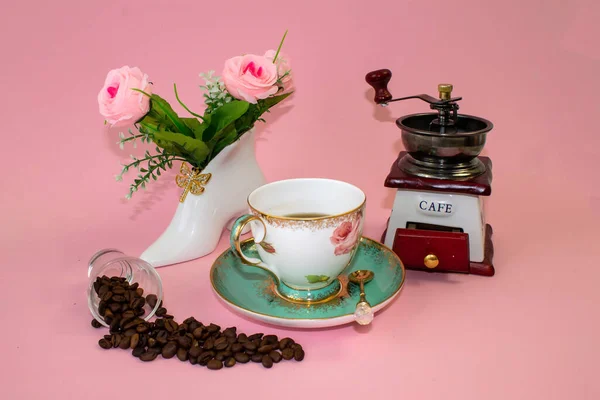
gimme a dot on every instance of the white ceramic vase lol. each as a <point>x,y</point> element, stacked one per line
<point>199,221</point>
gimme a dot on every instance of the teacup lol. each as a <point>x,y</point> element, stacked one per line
<point>306,232</point>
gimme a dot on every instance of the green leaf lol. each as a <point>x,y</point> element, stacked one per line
<point>162,111</point>
<point>191,149</point>
<point>316,278</point>
<point>196,126</point>
<point>272,101</point>
<point>223,116</point>
<point>223,139</point>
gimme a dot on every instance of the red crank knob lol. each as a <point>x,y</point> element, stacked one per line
<point>379,80</point>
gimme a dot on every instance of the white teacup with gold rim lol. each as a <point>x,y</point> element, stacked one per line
<point>306,232</point>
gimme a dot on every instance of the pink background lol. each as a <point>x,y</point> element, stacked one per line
<point>531,67</point>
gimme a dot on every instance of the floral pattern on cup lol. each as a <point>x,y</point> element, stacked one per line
<point>268,247</point>
<point>346,235</point>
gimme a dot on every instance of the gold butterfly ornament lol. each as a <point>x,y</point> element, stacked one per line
<point>192,180</point>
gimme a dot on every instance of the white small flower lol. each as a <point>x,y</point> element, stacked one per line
<point>132,157</point>
<point>134,144</point>
<point>121,135</point>
<point>128,196</point>
<point>118,178</point>
<point>121,145</point>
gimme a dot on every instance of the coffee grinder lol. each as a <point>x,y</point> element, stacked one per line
<point>437,222</point>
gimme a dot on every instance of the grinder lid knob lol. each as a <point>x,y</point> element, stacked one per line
<point>445,91</point>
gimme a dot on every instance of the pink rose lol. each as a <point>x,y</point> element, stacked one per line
<point>118,103</point>
<point>346,236</point>
<point>284,69</point>
<point>250,77</point>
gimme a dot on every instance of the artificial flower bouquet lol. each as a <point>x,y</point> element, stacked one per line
<point>247,88</point>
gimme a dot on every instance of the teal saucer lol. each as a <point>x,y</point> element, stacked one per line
<point>252,291</point>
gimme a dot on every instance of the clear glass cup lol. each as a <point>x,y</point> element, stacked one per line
<point>113,262</point>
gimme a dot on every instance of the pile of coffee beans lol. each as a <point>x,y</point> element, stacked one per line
<point>122,305</point>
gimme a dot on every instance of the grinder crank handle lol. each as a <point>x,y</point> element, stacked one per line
<point>379,80</point>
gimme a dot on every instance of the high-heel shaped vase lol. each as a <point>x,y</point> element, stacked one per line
<point>211,200</point>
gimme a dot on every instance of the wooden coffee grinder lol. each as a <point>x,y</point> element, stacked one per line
<point>437,222</point>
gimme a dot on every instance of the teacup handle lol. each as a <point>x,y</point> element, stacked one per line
<point>236,246</point>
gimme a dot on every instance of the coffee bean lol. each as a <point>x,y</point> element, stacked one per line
<point>115,307</point>
<point>209,344</point>
<point>135,339</point>
<point>118,290</point>
<point>257,357</point>
<point>161,312</point>
<point>242,338</point>
<point>189,320</point>
<point>139,292</point>
<point>287,353</point>
<point>119,298</point>
<point>103,289</point>
<point>96,324</point>
<point>128,298</point>
<point>105,344</point>
<point>255,336</point>
<point>265,349</point>
<point>195,351</point>
<point>151,299</point>
<point>249,346</point>
<point>215,364</point>
<point>106,296</point>
<point>220,356</point>
<point>182,354</point>
<point>275,356</point>
<point>192,326</point>
<point>221,343</point>
<point>134,286</point>
<point>267,362</point>
<point>270,339</point>
<point>152,342</point>
<point>194,361</point>
<point>96,286</point>
<point>141,328</point>
<point>102,308</point>
<point>116,340</point>
<point>125,342</point>
<point>236,347</point>
<point>206,356</point>
<point>124,307</point>
<point>171,325</point>
<point>115,323</point>
<point>184,341</point>
<point>108,337</point>
<point>285,342</point>
<point>149,356</point>
<point>198,333</point>
<point>135,322</point>
<point>296,346</point>
<point>241,357</point>
<point>230,362</point>
<point>140,312</point>
<point>229,332</point>
<point>212,328</point>
<point>130,332</point>
<point>162,337</point>
<point>169,350</point>
<point>298,354</point>
<point>168,316</point>
<point>138,351</point>
<point>231,340</point>
<point>159,324</point>
<point>127,315</point>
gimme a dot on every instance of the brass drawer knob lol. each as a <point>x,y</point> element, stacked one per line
<point>431,261</point>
